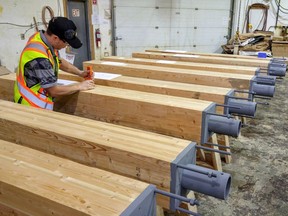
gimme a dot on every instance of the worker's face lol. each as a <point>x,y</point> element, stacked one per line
<point>59,43</point>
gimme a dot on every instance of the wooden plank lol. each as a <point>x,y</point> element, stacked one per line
<point>207,78</point>
<point>7,86</point>
<point>267,60</point>
<point>216,156</point>
<point>201,59</point>
<point>37,183</point>
<point>4,70</point>
<point>185,65</point>
<point>224,140</point>
<point>169,115</point>
<point>134,153</point>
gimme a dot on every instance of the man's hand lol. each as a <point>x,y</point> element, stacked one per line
<point>87,74</point>
<point>86,85</point>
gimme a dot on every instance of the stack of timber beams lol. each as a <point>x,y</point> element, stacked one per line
<point>185,65</point>
<point>274,66</point>
<point>130,70</point>
<point>208,78</point>
<point>138,154</point>
<point>174,116</point>
<point>208,54</point>
<point>263,64</point>
<point>267,59</point>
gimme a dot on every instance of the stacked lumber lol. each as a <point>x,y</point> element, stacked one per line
<point>274,66</point>
<point>209,54</point>
<point>209,93</point>
<point>208,78</point>
<point>133,153</point>
<point>203,59</point>
<point>37,183</point>
<point>180,117</point>
<point>186,65</point>
<point>170,115</point>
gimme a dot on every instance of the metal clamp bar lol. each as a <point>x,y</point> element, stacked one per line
<point>178,197</point>
<point>264,98</point>
<point>215,114</point>
<point>243,91</point>
<point>209,174</point>
<point>263,103</point>
<point>264,72</point>
<point>266,77</point>
<point>246,116</point>
<point>240,98</point>
<point>223,105</point>
<point>214,150</point>
<point>222,146</point>
<point>187,211</point>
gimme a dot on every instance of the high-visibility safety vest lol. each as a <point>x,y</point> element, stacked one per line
<point>35,96</point>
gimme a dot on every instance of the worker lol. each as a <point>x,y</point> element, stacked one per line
<point>36,79</point>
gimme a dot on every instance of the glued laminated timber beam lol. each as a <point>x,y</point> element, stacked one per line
<point>36,183</point>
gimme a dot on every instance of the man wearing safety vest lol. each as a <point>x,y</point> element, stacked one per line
<point>36,78</point>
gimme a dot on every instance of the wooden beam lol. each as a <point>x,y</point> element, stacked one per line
<point>37,183</point>
<point>201,59</point>
<point>267,60</point>
<point>4,70</point>
<point>237,81</point>
<point>7,86</point>
<point>185,65</point>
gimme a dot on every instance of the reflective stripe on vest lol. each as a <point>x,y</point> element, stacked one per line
<point>34,99</point>
<point>39,99</point>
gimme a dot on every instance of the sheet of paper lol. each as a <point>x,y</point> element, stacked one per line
<point>65,82</point>
<point>114,63</point>
<point>166,62</point>
<point>178,51</point>
<point>188,56</point>
<point>105,76</point>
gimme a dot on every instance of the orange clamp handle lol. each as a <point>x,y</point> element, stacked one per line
<point>90,75</point>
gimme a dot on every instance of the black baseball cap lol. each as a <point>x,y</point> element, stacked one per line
<point>65,29</point>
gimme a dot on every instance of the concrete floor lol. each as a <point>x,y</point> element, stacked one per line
<point>259,165</point>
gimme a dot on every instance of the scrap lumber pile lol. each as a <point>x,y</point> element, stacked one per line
<point>164,161</point>
<point>257,41</point>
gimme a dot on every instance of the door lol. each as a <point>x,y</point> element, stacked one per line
<point>191,25</point>
<point>77,12</point>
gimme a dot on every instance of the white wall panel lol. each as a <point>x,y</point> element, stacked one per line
<point>143,36</point>
<point>182,24</point>
<point>142,17</point>
<point>207,4</point>
<point>144,3</point>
